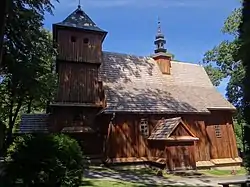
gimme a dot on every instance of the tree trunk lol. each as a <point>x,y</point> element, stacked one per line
<point>29,106</point>
<point>12,121</point>
<point>3,11</point>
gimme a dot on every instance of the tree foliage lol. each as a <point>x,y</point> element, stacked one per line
<point>244,56</point>
<point>222,61</point>
<point>225,57</point>
<point>214,74</point>
<point>44,160</point>
<point>26,72</point>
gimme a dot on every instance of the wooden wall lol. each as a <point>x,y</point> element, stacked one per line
<point>181,131</point>
<point>79,50</point>
<point>125,139</point>
<point>164,63</point>
<point>209,146</point>
<point>79,83</point>
<point>91,142</point>
<point>72,116</point>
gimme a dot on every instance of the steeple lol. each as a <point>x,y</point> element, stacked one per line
<point>79,52</point>
<point>80,20</point>
<point>162,58</point>
<point>160,39</point>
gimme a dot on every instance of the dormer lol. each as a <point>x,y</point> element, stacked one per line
<point>78,38</point>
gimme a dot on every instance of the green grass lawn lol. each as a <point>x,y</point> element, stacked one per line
<point>146,172</point>
<point>215,172</point>
<point>116,183</point>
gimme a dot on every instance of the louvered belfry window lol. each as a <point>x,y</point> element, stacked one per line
<point>144,127</point>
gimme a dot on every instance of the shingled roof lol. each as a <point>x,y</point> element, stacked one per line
<point>34,123</point>
<point>136,84</point>
<point>166,127</point>
<point>79,19</point>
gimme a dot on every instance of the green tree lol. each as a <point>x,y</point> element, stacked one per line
<point>244,56</point>
<point>6,5</point>
<point>223,62</point>
<point>26,71</point>
<point>2,25</point>
<point>44,160</point>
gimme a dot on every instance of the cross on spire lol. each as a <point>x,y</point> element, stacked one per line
<point>79,3</point>
<point>159,26</point>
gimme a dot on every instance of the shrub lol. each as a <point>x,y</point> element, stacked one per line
<point>44,160</point>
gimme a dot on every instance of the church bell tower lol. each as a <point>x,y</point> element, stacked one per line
<point>79,45</point>
<point>80,94</point>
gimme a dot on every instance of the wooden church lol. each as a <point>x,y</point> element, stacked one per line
<point>135,109</point>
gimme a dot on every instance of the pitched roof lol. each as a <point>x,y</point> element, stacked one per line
<point>34,123</point>
<point>79,19</point>
<point>165,128</point>
<point>136,84</point>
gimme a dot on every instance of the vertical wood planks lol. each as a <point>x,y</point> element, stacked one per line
<point>79,51</point>
<point>77,83</point>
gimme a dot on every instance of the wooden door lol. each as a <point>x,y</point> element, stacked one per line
<point>180,157</point>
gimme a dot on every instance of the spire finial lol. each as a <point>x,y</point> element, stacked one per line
<point>79,4</point>
<point>159,39</point>
<point>159,26</point>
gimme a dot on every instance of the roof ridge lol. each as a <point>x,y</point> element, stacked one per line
<point>120,53</point>
<point>187,63</point>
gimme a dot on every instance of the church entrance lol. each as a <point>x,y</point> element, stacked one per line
<point>180,156</point>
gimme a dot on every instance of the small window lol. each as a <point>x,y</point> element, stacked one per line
<point>217,131</point>
<point>86,40</point>
<point>73,39</point>
<point>144,127</point>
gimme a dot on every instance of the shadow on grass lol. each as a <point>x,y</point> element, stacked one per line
<point>134,178</point>
<point>117,183</point>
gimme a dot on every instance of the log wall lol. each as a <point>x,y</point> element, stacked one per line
<point>126,141</point>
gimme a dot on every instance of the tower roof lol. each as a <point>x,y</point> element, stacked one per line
<point>159,32</point>
<point>160,40</point>
<point>79,19</point>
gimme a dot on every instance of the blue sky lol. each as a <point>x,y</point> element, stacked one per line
<point>191,27</point>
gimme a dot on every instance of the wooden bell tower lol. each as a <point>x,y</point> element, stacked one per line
<point>80,93</point>
<point>79,44</point>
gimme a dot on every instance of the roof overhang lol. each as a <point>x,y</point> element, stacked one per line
<point>108,111</point>
<point>161,54</point>
<point>68,104</point>
<point>57,26</point>
<point>77,129</point>
<point>232,109</point>
<point>178,138</point>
